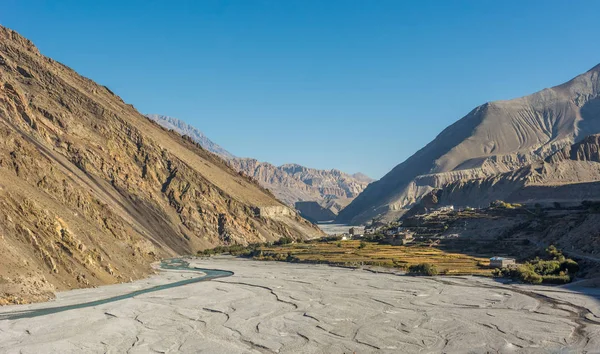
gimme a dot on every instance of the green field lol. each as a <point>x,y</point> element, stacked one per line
<point>357,253</point>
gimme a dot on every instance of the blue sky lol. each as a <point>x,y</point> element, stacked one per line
<point>353,85</point>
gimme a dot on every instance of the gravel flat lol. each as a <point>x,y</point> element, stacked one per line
<point>268,307</point>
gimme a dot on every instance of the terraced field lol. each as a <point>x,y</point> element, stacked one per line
<point>357,253</point>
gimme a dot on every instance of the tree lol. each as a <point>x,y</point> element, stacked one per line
<point>423,269</point>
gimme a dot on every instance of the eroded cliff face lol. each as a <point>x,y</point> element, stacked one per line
<point>92,192</point>
<point>586,150</point>
<point>570,175</point>
<point>495,138</point>
<point>292,183</point>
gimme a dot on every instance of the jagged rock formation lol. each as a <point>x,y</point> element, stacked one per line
<point>290,183</point>
<point>569,176</point>
<point>495,138</point>
<point>92,192</point>
<point>586,150</point>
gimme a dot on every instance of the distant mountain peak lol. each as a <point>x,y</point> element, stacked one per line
<point>289,182</point>
<point>185,129</point>
<point>362,177</point>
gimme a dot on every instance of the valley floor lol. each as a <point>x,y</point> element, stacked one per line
<point>270,307</point>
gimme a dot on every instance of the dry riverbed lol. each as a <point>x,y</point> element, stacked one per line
<point>301,308</point>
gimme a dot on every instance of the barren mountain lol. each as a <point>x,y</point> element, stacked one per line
<point>92,192</point>
<point>494,138</point>
<point>569,176</point>
<point>290,183</point>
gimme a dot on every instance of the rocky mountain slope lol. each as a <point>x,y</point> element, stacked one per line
<point>92,192</point>
<point>569,176</point>
<point>290,183</point>
<point>494,138</point>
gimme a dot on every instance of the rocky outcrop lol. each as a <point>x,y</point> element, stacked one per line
<point>92,192</point>
<point>570,175</point>
<point>586,150</point>
<point>290,183</point>
<point>495,138</point>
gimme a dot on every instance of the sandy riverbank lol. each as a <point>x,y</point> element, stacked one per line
<point>300,308</point>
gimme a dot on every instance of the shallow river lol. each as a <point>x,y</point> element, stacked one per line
<point>168,264</point>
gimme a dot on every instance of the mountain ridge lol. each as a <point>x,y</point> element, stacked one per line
<point>493,138</point>
<point>289,182</point>
<point>194,133</point>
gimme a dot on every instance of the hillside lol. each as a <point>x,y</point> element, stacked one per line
<point>494,138</point>
<point>569,176</point>
<point>290,183</point>
<point>92,192</point>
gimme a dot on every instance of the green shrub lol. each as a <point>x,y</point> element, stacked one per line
<point>546,267</point>
<point>526,274</point>
<point>283,241</point>
<point>556,279</point>
<point>504,205</point>
<point>555,253</point>
<point>556,270</point>
<point>570,266</point>
<point>330,238</point>
<point>423,269</point>
<point>291,258</point>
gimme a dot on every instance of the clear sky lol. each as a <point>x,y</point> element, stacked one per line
<point>354,85</point>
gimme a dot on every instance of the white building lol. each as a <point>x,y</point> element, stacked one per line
<point>501,262</point>
<point>446,208</point>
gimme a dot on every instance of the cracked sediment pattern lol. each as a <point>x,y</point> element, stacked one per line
<point>270,307</point>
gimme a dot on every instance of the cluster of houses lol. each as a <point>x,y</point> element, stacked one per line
<point>394,235</point>
<point>446,208</point>
<point>353,234</point>
<point>398,235</point>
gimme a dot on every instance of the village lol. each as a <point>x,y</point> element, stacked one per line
<point>430,229</point>
<point>496,241</point>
